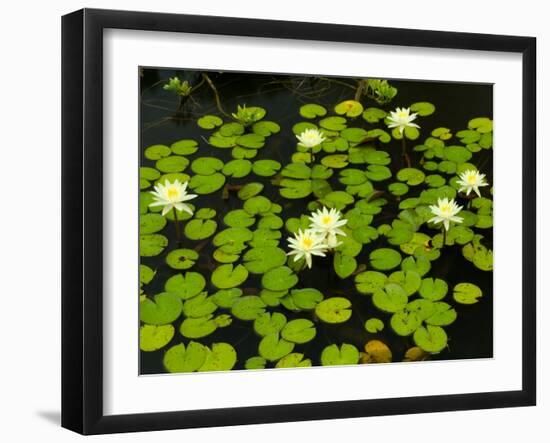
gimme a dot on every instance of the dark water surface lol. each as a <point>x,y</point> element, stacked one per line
<point>470,336</point>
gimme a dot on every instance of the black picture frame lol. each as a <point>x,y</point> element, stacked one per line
<point>82,215</point>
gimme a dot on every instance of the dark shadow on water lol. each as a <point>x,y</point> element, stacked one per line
<point>54,417</point>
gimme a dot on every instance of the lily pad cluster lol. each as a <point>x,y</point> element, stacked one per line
<point>228,267</point>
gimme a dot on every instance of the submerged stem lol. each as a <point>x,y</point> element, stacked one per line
<point>177,224</point>
<point>404,152</point>
<point>216,95</point>
<point>444,236</point>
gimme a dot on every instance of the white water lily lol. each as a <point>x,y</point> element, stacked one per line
<point>310,138</point>
<point>172,195</point>
<point>445,212</point>
<point>472,180</point>
<point>402,118</point>
<point>306,244</point>
<point>327,223</point>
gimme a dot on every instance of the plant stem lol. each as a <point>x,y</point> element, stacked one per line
<point>359,91</point>
<point>444,236</point>
<point>216,95</point>
<point>177,224</point>
<point>404,152</point>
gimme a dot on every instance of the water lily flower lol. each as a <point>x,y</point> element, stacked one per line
<point>471,180</point>
<point>402,118</point>
<point>172,195</point>
<point>327,223</point>
<point>305,244</point>
<point>310,138</point>
<point>445,212</point>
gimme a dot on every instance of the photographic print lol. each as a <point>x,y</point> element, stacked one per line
<point>289,221</point>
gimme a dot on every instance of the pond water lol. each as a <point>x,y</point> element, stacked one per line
<point>165,119</point>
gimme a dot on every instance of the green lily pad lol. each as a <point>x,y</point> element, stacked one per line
<point>221,357</point>
<point>279,279</point>
<point>353,135</point>
<point>273,348</point>
<point>148,173</point>
<point>411,176</point>
<point>250,190</point>
<point>163,310</point>
<point>398,189</point>
<point>333,123</point>
<point>392,298</point>
<point>404,323</point>
<point>219,141</point>
<point>410,281</point>
<point>181,359</point>
<point>151,245</point>
<point>198,327</point>
<point>269,323</point>
<point>206,165</point>
<point>151,223</point>
<point>182,258</point>
<point>237,168</point>
<point>374,115</point>
<point>378,173</point>
<point>349,108</point>
<point>231,129</point>
<point>226,276</point>
<point>184,147</point>
<point>185,286</point>
<point>430,338</point>
<point>483,259</point>
<point>262,259</point>
<point>467,293</point>
<point>334,310</point>
<point>173,163</point>
<point>335,161</point>
<point>209,121</point>
<point>376,352</point>
<point>255,363</point>
<point>333,355</point>
<point>156,152</point>
<point>198,229</point>
<point>293,360</point>
<point>233,236</point>
<point>435,180</point>
<point>481,124</point>
<point>369,282</point>
<point>300,127</point>
<point>239,218</point>
<point>398,236</point>
<point>443,315</point>
<point>299,331</point>
<point>312,110</point>
<point>199,306</point>
<point>225,298</point>
<point>146,274</point>
<point>338,199</point>
<point>374,157</point>
<point>248,307</point>
<point>251,141</point>
<point>374,325</point>
<point>207,184</point>
<point>266,168</point>
<point>296,170</point>
<point>152,338</point>
<point>423,109</point>
<point>344,265</point>
<point>265,128</point>
<point>433,289</point>
<point>257,205</point>
<point>384,259</point>
<point>457,154</point>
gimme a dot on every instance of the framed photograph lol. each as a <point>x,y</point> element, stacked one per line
<point>270,221</point>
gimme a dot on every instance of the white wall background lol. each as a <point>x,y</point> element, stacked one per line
<point>30,218</point>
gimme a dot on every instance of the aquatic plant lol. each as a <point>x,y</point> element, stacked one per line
<point>364,266</point>
<point>183,89</point>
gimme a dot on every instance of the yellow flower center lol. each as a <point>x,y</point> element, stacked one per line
<point>472,179</point>
<point>402,114</point>
<point>445,210</point>
<point>307,242</point>
<point>326,219</point>
<point>172,192</point>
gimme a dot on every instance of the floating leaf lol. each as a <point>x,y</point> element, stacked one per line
<point>262,259</point>
<point>206,184</point>
<point>431,339</point>
<point>443,315</point>
<point>467,293</point>
<point>269,323</point>
<point>457,154</point>
<point>163,310</point>
<point>391,299</point>
<point>156,152</point>
<point>410,281</point>
<point>306,298</point>
<point>312,110</point>
<point>404,323</point>
<point>279,279</point>
<point>335,161</point>
<point>344,265</point>
<point>226,276</point>
<point>239,218</point>
<point>185,286</point>
<point>200,229</point>
<point>293,360</point>
<point>374,115</point>
<point>255,363</point>
<point>334,310</point>
<point>257,205</point>
<point>481,124</point>
<point>184,147</point>
<point>433,289</point>
<point>199,306</point>
<point>349,108</point>
<point>345,355</point>
<point>206,165</point>
<point>153,338</point>
<point>151,223</point>
<point>299,331</point>
<point>412,176</point>
<point>222,357</point>
<point>384,259</point>
<point>219,141</point>
<point>250,190</point>
<point>225,298</point>
<point>173,163</point>
<point>423,108</point>
<point>237,168</point>
<point>146,274</point>
<point>374,325</point>
<point>273,348</point>
<point>251,141</point>
<point>209,121</point>
<point>248,307</point>
<point>265,168</point>
<point>333,123</point>
<point>293,189</point>
<point>231,129</point>
<point>265,128</point>
<point>180,359</point>
<point>198,327</point>
<point>182,258</point>
<point>369,282</point>
<point>377,352</point>
<point>378,173</point>
<point>152,244</point>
